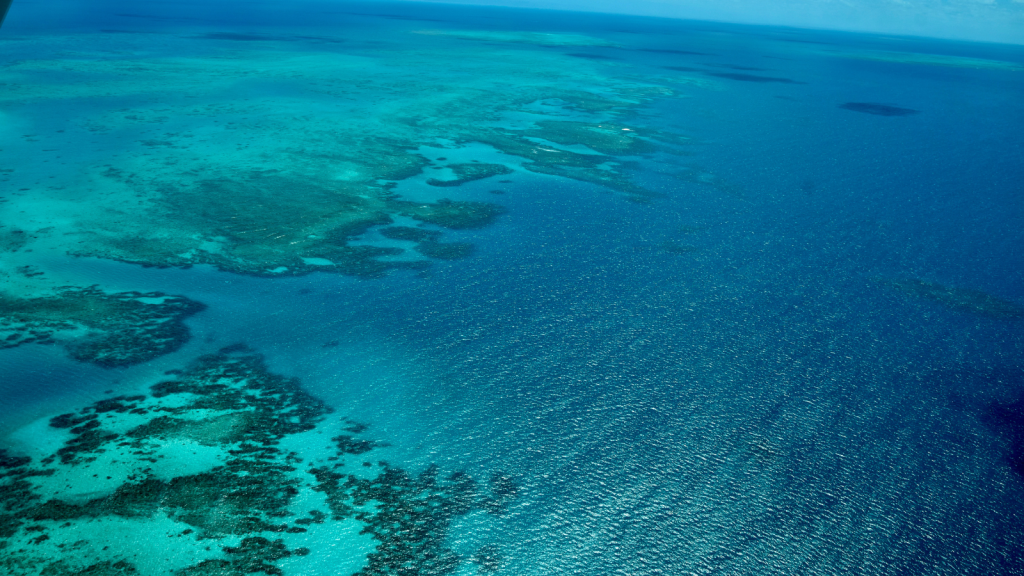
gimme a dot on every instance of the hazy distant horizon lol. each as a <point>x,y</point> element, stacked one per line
<point>999,21</point>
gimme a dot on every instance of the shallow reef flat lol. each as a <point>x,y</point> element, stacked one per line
<point>214,471</point>
<point>281,180</point>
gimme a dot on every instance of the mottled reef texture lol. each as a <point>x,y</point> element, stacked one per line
<point>267,225</point>
<point>229,517</point>
<point>111,330</point>
<point>272,185</point>
<point>411,516</point>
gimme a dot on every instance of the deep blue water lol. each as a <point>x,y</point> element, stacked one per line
<point>763,401</point>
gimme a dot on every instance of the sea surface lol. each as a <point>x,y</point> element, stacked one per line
<point>374,288</point>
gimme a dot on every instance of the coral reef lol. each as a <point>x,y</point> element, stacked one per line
<point>269,225</point>
<point>279,186</point>
<point>229,516</point>
<point>449,214</point>
<point>411,516</point>
<point>110,330</point>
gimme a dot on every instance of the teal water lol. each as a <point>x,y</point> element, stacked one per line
<point>505,291</point>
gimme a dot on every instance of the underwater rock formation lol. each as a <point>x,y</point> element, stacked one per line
<point>106,329</point>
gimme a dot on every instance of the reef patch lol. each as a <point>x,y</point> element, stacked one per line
<point>197,469</point>
<point>469,172</point>
<point>110,330</point>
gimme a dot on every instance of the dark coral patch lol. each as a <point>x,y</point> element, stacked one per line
<point>411,516</point>
<point>878,109</point>
<point>445,250</point>
<point>454,215</point>
<point>408,233</point>
<point>470,172</point>
<point>488,559</point>
<point>253,555</point>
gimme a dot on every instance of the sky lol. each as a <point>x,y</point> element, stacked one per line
<point>978,20</point>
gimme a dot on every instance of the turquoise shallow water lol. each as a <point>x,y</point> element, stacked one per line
<point>774,328</point>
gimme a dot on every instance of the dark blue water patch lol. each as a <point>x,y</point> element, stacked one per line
<point>1006,419</point>
<point>806,41</point>
<point>251,37</point>
<point>160,18</point>
<point>392,16</point>
<point>752,78</point>
<point>681,68</point>
<point>670,51</point>
<point>241,37</point>
<point>591,56</point>
<point>878,109</point>
<point>736,67</point>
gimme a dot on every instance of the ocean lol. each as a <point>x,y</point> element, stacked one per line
<point>397,288</point>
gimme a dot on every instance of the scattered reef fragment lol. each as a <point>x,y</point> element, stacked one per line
<point>197,469</point>
<point>959,299</point>
<point>110,330</point>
